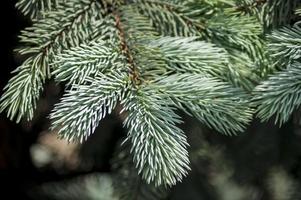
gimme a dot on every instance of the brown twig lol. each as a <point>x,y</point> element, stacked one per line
<point>126,50</point>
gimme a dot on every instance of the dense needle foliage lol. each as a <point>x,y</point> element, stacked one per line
<point>220,61</point>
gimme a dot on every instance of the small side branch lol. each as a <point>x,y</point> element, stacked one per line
<point>253,5</point>
<point>190,22</point>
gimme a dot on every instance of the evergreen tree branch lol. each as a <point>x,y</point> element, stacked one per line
<point>78,63</point>
<point>185,54</point>
<point>167,20</point>
<point>156,56</point>
<point>82,107</point>
<point>61,29</point>
<point>139,32</point>
<point>285,46</point>
<point>271,13</point>
<point>279,95</point>
<point>36,8</point>
<point>224,27</point>
<point>23,90</point>
<point>158,145</point>
<point>277,13</point>
<point>215,103</point>
<point>239,69</point>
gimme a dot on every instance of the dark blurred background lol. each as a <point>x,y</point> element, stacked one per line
<point>16,168</point>
<point>263,163</point>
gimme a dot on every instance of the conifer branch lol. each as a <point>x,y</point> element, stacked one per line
<point>246,6</point>
<point>82,107</point>
<point>285,46</point>
<point>42,42</point>
<point>36,8</point>
<point>279,95</point>
<point>158,145</point>
<point>79,63</point>
<point>215,103</point>
<point>186,54</point>
<point>156,57</point>
<point>181,25</point>
<point>23,89</point>
<point>271,13</point>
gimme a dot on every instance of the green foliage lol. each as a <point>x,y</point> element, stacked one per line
<point>167,20</point>
<point>60,29</point>
<point>188,55</point>
<point>278,13</point>
<point>23,90</point>
<point>36,8</point>
<point>83,61</point>
<point>220,23</point>
<point>285,46</point>
<point>154,57</point>
<point>159,146</point>
<point>82,107</point>
<point>271,13</point>
<point>280,94</point>
<point>221,107</point>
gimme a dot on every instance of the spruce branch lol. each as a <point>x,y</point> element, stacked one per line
<point>271,13</point>
<point>238,34</point>
<point>185,54</point>
<point>236,67</point>
<point>82,107</point>
<point>215,103</point>
<point>158,145</point>
<point>36,8</point>
<point>278,13</point>
<point>23,89</point>
<point>164,13</point>
<point>155,57</point>
<point>285,46</point>
<point>135,34</point>
<point>279,95</point>
<point>149,131</point>
<point>60,29</point>
<point>249,5</point>
<point>78,63</point>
